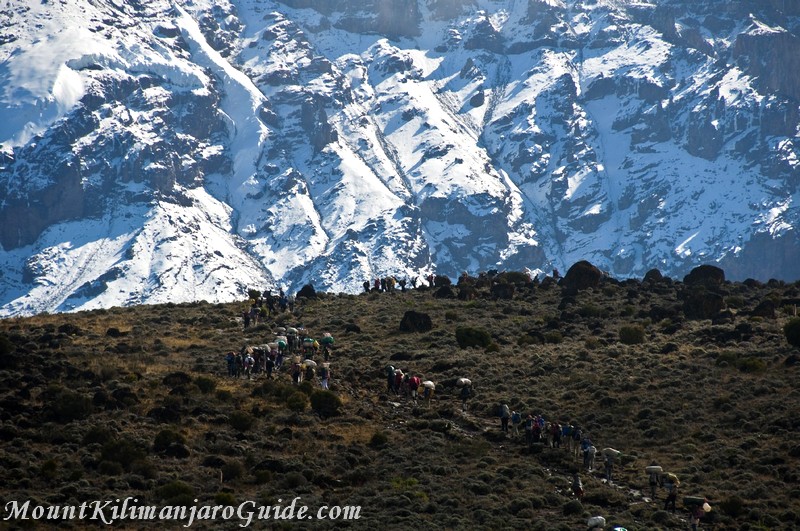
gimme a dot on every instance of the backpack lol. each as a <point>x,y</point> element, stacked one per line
<point>516,418</point>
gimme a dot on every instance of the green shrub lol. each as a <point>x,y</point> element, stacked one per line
<point>732,506</point>
<point>631,334</point>
<point>176,493</point>
<point>467,336</point>
<point>122,451</point>
<point>735,301</point>
<point>226,499</point>
<point>591,310</point>
<point>293,480</point>
<point>241,420</point>
<point>48,469</point>
<point>223,395</point>
<point>232,471</point>
<point>451,315</point>
<point>553,337</point>
<point>110,468</point>
<point>97,434</point>
<point>325,403</point>
<point>751,365</point>
<point>379,439</point>
<point>166,437</point>
<point>65,405</point>
<point>205,384</point>
<point>792,331</point>
<point>6,346</point>
<point>297,402</point>
<point>572,507</point>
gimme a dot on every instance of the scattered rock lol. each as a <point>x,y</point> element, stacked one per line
<point>415,322</point>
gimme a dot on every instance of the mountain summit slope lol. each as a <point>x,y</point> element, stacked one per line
<point>172,151</point>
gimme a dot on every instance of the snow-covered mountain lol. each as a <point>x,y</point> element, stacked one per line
<point>189,149</point>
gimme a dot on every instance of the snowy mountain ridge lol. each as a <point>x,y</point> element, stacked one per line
<point>181,150</point>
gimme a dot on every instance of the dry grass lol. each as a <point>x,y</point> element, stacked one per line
<point>714,402</point>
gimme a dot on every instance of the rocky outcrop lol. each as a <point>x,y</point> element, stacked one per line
<point>582,275</point>
<point>773,57</point>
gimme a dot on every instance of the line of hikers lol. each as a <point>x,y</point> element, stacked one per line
<point>252,361</point>
<point>580,445</point>
<point>264,305</point>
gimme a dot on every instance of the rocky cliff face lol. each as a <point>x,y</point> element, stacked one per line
<point>171,151</point>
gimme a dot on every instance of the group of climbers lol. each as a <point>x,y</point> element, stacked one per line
<point>264,305</point>
<point>289,343</point>
<point>408,384</point>
<point>295,344</point>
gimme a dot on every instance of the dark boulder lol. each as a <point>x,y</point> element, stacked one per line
<point>503,291</point>
<point>654,275</point>
<point>308,292</point>
<point>415,322</point>
<point>702,304</point>
<point>467,293</point>
<point>705,275</point>
<point>444,292</point>
<point>582,275</point>
<point>177,450</point>
<point>765,308</point>
<point>352,327</point>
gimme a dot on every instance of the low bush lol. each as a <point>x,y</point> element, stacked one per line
<point>792,332</point>
<point>297,402</point>
<point>176,493</point>
<point>166,437</point>
<point>206,384</point>
<point>467,336</point>
<point>325,403</point>
<point>241,420</point>
<point>572,507</point>
<point>631,334</point>
<point>226,499</point>
<point>379,439</point>
<point>122,451</point>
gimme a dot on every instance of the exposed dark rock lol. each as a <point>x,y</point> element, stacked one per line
<point>444,292</point>
<point>765,308</point>
<point>176,378</point>
<point>705,275</point>
<point>702,304</point>
<point>307,292</point>
<point>416,322</point>
<point>582,275</point>
<point>177,450</point>
<point>773,57</point>
<point>503,291</point>
<point>352,328</point>
<point>467,293</point>
<point>654,275</point>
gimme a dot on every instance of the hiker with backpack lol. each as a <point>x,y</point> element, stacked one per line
<point>466,393</point>
<point>389,378</point>
<point>671,484</point>
<point>516,420</point>
<point>325,375</point>
<point>566,436</point>
<point>505,415</point>
<point>577,438</point>
<point>608,461</point>
<point>413,385</point>
<point>230,359</point>
<point>577,486</point>
<point>529,424</point>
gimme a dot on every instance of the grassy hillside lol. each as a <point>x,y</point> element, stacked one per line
<point>136,402</point>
